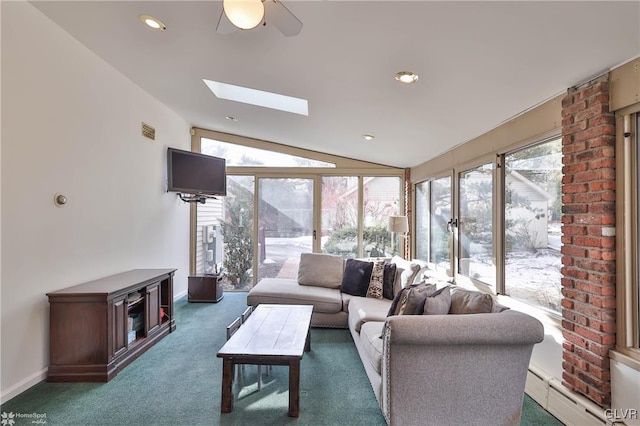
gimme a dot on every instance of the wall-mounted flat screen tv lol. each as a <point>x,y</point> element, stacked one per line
<point>193,173</point>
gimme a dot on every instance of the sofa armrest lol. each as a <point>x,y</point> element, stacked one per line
<point>457,369</point>
<point>509,327</point>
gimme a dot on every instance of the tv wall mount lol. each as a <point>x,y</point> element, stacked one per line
<point>195,198</point>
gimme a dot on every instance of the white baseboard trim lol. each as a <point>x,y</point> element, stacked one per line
<point>23,385</point>
<point>567,406</point>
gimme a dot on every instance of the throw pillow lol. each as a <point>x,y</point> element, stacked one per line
<point>376,282</point>
<point>470,302</point>
<point>410,300</point>
<point>356,277</point>
<point>388,279</point>
<point>320,270</point>
<point>438,303</point>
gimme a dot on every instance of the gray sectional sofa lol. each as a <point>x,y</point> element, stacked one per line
<point>462,367</point>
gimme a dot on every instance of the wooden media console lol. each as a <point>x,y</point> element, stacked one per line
<point>99,327</point>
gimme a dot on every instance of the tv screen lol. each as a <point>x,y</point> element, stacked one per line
<point>193,173</point>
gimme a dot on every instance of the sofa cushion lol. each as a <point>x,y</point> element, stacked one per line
<point>365,309</point>
<point>356,277</point>
<point>371,343</point>
<point>320,270</point>
<point>376,281</point>
<point>438,303</point>
<point>289,292</point>
<point>470,302</point>
<point>409,271</point>
<point>410,300</point>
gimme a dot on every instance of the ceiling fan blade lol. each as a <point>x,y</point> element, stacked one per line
<point>280,17</point>
<point>224,25</point>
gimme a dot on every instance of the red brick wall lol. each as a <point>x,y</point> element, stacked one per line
<point>588,252</point>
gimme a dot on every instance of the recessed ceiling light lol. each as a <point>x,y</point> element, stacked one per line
<point>406,77</point>
<point>368,137</point>
<point>230,118</point>
<point>152,22</point>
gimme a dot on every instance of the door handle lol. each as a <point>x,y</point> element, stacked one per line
<point>453,223</point>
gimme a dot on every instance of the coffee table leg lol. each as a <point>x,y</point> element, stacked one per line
<point>227,386</point>
<point>294,388</point>
<point>307,343</point>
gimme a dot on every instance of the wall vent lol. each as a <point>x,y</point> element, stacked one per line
<point>148,131</point>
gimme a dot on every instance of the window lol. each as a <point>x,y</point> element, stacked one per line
<point>422,220</point>
<point>439,217</point>
<point>635,286</point>
<point>433,213</point>
<point>532,217</point>
<point>628,290</point>
<point>224,234</point>
<point>280,205</point>
<point>285,225</point>
<point>475,224</point>
<point>530,238</point>
<point>340,200</point>
<point>633,292</point>
<point>381,199</point>
<point>238,155</point>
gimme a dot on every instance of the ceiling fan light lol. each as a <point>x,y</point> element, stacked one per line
<point>244,14</point>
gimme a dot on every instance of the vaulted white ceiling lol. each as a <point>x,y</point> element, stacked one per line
<point>479,63</point>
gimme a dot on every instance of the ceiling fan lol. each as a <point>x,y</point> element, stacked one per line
<point>248,14</point>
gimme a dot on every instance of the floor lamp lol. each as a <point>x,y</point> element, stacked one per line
<point>397,225</point>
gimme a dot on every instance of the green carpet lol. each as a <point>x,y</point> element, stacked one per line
<point>177,382</point>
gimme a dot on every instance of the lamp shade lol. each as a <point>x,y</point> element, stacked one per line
<point>398,224</point>
<point>244,14</point>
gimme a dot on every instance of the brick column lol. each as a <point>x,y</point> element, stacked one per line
<point>588,236</point>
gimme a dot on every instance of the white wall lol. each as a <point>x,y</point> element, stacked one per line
<point>71,124</point>
<point>625,393</point>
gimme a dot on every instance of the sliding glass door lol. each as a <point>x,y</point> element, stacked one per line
<point>285,225</point>
<point>475,224</point>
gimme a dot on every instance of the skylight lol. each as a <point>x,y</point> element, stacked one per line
<point>258,97</point>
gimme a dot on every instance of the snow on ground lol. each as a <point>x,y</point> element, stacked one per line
<point>532,276</point>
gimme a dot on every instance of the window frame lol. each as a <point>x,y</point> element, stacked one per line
<point>501,212</point>
<point>627,350</point>
<point>496,157</point>
<point>463,168</point>
<point>450,175</point>
<point>343,167</point>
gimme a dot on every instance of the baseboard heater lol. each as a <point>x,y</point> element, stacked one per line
<point>567,406</point>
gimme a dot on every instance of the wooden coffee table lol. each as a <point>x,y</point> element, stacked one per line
<point>273,335</point>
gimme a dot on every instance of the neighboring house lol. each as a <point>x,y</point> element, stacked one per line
<point>533,213</point>
<point>380,199</point>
